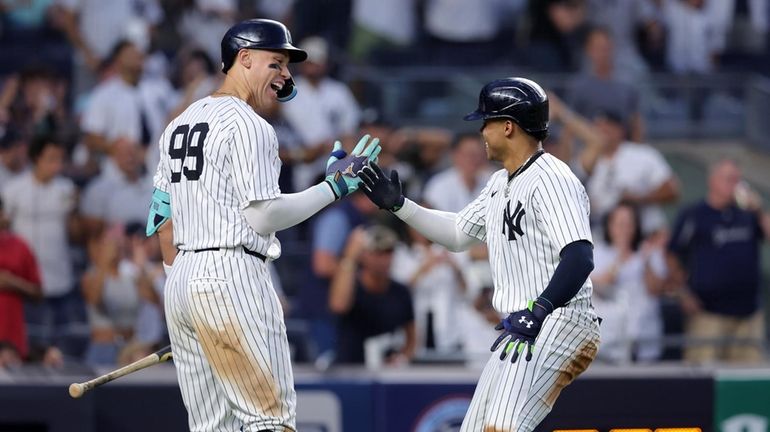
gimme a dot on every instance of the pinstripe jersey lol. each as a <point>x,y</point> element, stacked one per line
<point>215,158</point>
<point>526,221</point>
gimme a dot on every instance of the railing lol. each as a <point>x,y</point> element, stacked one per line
<point>758,113</point>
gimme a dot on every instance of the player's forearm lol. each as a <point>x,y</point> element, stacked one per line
<point>440,227</point>
<point>577,262</point>
<point>287,210</point>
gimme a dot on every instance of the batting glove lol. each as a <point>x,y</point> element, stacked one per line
<point>342,169</point>
<point>385,192</point>
<point>521,329</point>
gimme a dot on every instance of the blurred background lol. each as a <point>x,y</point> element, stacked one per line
<point>661,108</point>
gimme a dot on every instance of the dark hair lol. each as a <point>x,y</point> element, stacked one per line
<point>613,116</point>
<point>636,240</point>
<point>39,143</point>
<point>36,71</point>
<point>135,228</point>
<point>460,137</point>
<point>10,138</point>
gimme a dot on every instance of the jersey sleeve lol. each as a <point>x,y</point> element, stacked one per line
<point>561,205</point>
<point>161,180</point>
<point>472,219</point>
<point>255,162</point>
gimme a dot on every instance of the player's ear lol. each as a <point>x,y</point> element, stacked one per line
<point>510,127</point>
<point>244,57</point>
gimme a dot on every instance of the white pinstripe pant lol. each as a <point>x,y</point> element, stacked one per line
<point>517,396</point>
<point>229,343</point>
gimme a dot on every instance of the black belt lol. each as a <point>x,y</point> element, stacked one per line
<point>248,252</point>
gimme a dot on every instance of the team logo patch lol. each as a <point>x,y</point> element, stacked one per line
<point>512,221</point>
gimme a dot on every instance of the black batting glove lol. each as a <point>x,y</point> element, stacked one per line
<point>385,192</point>
<point>521,329</point>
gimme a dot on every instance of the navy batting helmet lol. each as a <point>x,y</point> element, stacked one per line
<point>261,34</point>
<point>518,99</point>
<point>258,34</point>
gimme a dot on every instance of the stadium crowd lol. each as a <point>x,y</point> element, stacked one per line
<point>87,87</point>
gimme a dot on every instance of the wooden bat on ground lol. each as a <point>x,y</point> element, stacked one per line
<point>163,354</point>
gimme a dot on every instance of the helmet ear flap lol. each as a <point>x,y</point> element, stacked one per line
<point>288,91</point>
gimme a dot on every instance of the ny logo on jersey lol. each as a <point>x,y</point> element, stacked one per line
<point>512,222</point>
<point>526,322</point>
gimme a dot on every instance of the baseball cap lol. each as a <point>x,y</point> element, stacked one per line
<point>380,238</point>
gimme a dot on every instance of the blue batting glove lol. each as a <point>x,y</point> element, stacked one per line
<point>342,169</point>
<point>521,329</point>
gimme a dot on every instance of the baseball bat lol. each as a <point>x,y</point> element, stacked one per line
<point>164,354</point>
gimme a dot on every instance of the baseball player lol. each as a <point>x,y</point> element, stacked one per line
<point>533,216</point>
<point>217,202</point>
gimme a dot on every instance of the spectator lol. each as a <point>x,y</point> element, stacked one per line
<point>198,78</point>
<point>383,31</point>
<point>618,170</point>
<point>746,25</point>
<point>461,33</point>
<point>696,35</point>
<point>36,104</point>
<point>557,27</point>
<point>626,289</point>
<point>122,107</point>
<point>437,285</point>
<point>150,329</point>
<point>330,232</point>
<point>323,110</point>
<point>114,288</point>
<point>19,281</point>
<point>42,207</point>
<point>119,198</point>
<point>454,188</point>
<point>715,252</point>
<point>329,19</point>
<point>622,19</point>
<point>95,27</point>
<point>205,21</point>
<point>597,89</point>
<point>416,152</point>
<point>13,155</point>
<point>367,301</point>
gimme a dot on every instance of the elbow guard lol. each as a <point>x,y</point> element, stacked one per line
<point>160,211</point>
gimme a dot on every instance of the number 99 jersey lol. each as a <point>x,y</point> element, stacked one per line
<point>215,158</point>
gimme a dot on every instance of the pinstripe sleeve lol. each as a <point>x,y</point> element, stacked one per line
<point>562,205</point>
<point>161,179</point>
<point>255,163</point>
<point>472,219</point>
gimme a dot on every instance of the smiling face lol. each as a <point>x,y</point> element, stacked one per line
<point>495,133</point>
<point>263,72</point>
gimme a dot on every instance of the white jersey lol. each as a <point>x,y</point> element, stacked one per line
<point>215,158</point>
<point>526,221</point>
